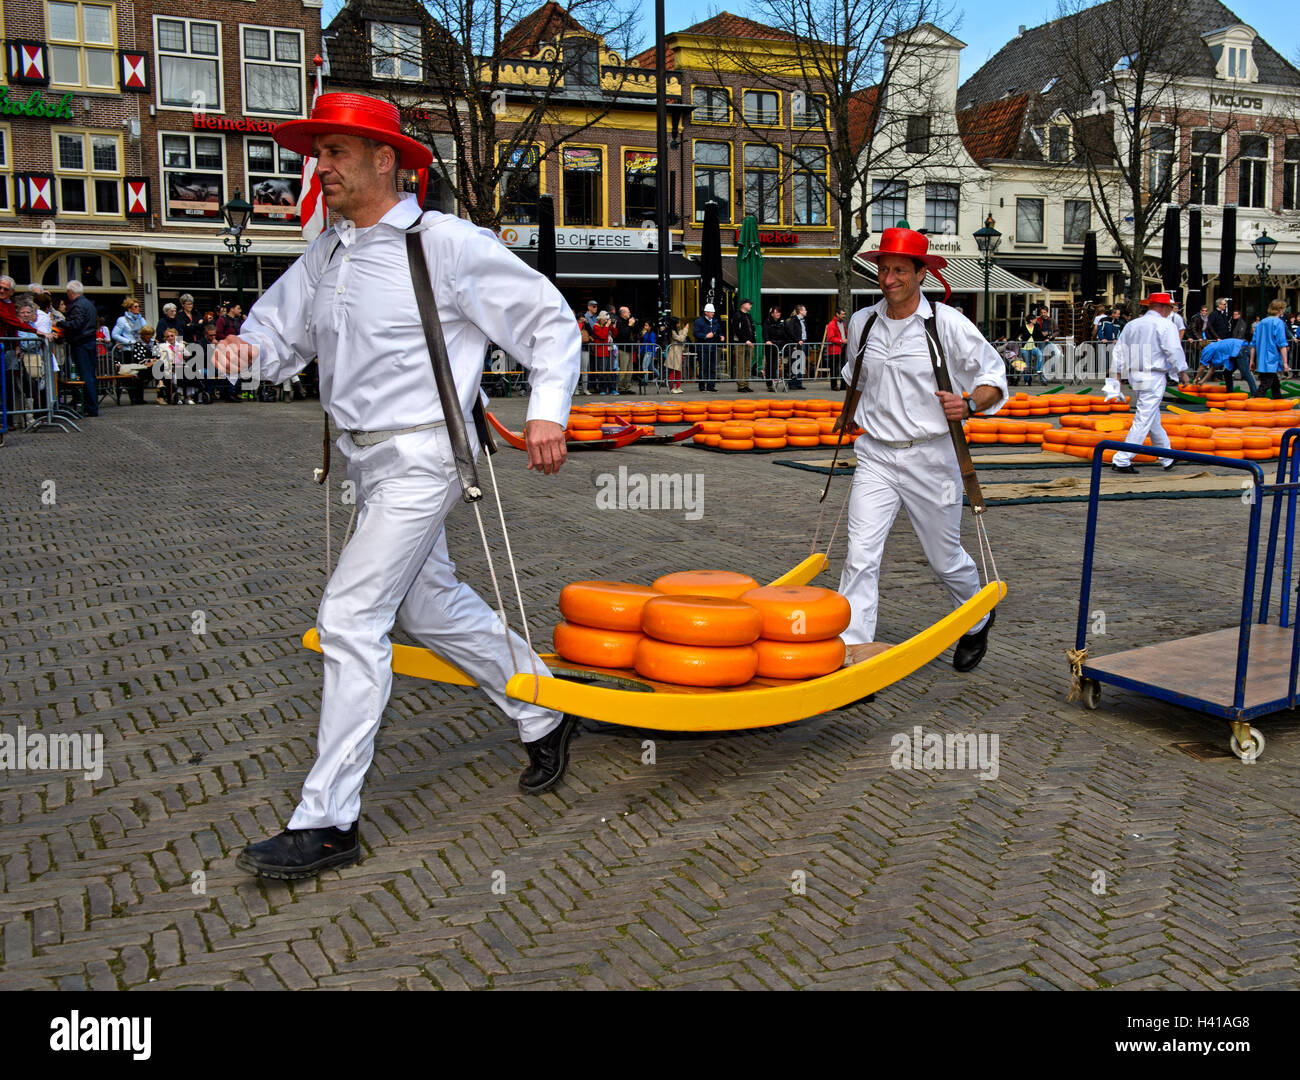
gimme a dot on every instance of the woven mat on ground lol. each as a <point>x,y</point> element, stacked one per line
<point>1178,485</point>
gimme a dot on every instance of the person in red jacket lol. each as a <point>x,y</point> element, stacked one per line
<point>835,346</point>
<point>8,313</point>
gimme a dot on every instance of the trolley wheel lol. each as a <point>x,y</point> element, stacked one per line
<point>1253,749</point>
<point>1090,693</point>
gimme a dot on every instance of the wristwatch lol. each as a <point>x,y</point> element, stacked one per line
<point>967,411</point>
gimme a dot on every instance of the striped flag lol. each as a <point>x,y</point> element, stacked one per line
<point>311,200</point>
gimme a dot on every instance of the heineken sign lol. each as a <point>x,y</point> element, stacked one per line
<point>35,106</point>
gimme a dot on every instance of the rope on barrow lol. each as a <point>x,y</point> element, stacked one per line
<point>514,577</point>
<point>1076,658</point>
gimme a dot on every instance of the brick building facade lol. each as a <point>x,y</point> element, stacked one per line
<point>162,117</point>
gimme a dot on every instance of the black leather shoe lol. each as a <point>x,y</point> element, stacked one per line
<point>971,648</point>
<point>1124,468</point>
<point>548,757</point>
<point>301,853</point>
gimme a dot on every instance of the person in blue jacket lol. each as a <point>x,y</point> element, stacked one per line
<point>1268,350</point>
<point>1229,355</point>
<point>708,336</point>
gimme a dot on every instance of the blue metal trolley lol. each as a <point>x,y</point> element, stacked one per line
<point>1200,672</point>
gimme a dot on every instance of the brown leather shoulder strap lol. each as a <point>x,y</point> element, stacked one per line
<point>970,482</point>
<point>446,383</point>
<point>851,392</point>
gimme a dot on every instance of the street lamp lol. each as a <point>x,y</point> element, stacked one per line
<point>1263,245</point>
<point>987,240</point>
<point>237,213</point>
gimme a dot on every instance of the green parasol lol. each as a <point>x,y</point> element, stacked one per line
<point>749,273</point>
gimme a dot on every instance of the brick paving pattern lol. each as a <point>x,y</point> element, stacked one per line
<point>1100,856</point>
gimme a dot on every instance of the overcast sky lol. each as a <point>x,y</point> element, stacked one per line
<point>986,25</point>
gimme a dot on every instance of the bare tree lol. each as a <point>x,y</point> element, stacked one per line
<point>1123,86</point>
<point>864,78</point>
<point>484,81</point>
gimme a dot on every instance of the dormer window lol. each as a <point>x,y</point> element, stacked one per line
<point>1233,50</point>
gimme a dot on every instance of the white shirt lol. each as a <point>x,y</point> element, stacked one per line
<point>356,313</point>
<point>898,401</point>
<point>1177,320</point>
<point>1147,347</point>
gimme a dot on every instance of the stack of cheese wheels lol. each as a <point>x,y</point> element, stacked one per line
<point>602,622</point>
<point>583,426</point>
<point>698,633</point>
<point>801,627</point>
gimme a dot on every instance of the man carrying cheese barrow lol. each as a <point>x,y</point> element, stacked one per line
<point>379,386</point>
<point>1147,353</point>
<point>906,458</point>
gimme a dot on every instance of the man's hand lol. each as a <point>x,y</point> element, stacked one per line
<point>234,356</point>
<point>953,406</point>
<point>546,449</point>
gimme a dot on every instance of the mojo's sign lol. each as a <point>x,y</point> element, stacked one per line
<point>1236,101</point>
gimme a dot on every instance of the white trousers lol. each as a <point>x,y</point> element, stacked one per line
<point>1150,394</point>
<point>396,568</point>
<point>926,481</point>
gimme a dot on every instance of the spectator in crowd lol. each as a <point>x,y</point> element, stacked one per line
<point>835,347</point>
<point>229,323</point>
<point>774,340</point>
<point>584,331</point>
<point>30,352</point>
<point>59,312</point>
<point>145,351</point>
<point>1176,317</point>
<point>743,340</point>
<point>191,323</point>
<point>647,371</point>
<point>708,336</point>
<point>627,334</point>
<point>604,380</point>
<point>796,333</point>
<point>1218,326</point>
<point>673,357</point>
<point>1268,350</point>
<point>126,331</point>
<point>226,389</point>
<point>1032,338</point>
<point>81,331</point>
<point>1045,323</point>
<point>168,320</point>
<point>9,320</point>
<point>1240,328</point>
<point>171,351</point>
<point>593,312</point>
<point>1199,324</point>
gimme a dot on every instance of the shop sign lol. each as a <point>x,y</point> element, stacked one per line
<point>35,106</point>
<point>210,122</point>
<point>774,239</point>
<point>579,239</point>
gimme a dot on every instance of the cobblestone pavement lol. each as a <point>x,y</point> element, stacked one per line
<point>1100,856</point>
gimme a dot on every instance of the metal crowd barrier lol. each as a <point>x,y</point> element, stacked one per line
<point>29,397</point>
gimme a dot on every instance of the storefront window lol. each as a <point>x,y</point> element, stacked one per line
<point>639,187</point>
<point>521,180</point>
<point>584,179</point>
<point>274,181</point>
<point>713,178</point>
<point>763,183</point>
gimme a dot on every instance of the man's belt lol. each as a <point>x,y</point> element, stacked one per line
<point>370,438</point>
<point>910,442</point>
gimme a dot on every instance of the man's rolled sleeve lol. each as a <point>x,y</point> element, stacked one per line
<point>279,325</point>
<point>527,316</point>
<point>974,360</point>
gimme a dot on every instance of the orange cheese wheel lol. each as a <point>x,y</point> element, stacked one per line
<point>586,436</point>
<point>1177,442</point>
<point>695,665</point>
<point>1227,442</point>
<point>802,427</point>
<point>737,431</point>
<point>800,612</point>
<point>1197,431</point>
<point>609,605</point>
<point>735,444</point>
<point>580,422</point>
<point>769,444</point>
<point>835,440</point>
<point>593,647</point>
<point>769,429</point>
<point>701,620</point>
<point>712,440</point>
<point>983,427</point>
<point>798,659</point>
<point>1055,435</point>
<point>725,583</point>
<point>1012,440</point>
<point>711,427</point>
<point>1256,442</point>
<point>980,437</point>
<point>1200,445</point>
<point>803,440</point>
<point>702,439</point>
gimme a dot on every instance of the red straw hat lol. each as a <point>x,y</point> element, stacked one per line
<point>910,244</point>
<point>354,114</point>
<point>1159,298</point>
